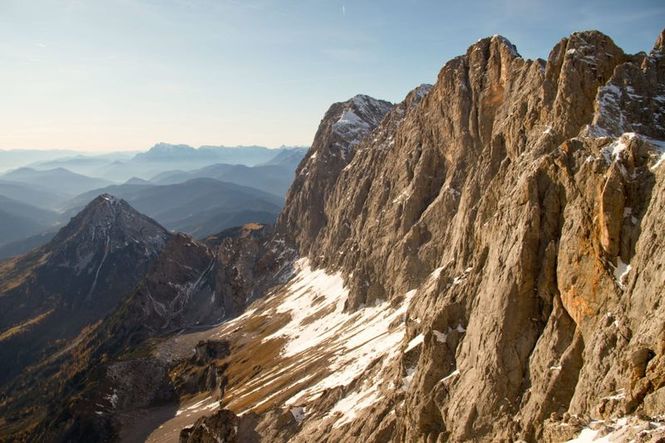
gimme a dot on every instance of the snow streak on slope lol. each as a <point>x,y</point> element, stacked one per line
<point>298,345</point>
<point>629,428</point>
<point>319,324</point>
<point>342,344</point>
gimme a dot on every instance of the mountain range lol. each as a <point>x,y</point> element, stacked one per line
<point>482,261</point>
<point>19,220</point>
<point>66,182</point>
<point>160,158</point>
<point>60,193</point>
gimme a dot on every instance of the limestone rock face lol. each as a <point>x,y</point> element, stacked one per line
<point>343,127</point>
<point>523,202</point>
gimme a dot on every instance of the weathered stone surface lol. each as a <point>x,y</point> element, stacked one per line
<point>526,191</point>
<point>343,127</point>
<point>221,427</point>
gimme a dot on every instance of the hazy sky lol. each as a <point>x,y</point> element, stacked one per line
<point>125,74</point>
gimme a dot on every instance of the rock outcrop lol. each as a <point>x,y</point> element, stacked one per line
<point>342,129</point>
<point>516,209</point>
<point>219,428</point>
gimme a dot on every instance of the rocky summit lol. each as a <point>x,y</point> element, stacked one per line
<point>480,262</point>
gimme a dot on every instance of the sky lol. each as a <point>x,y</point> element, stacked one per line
<point>102,75</point>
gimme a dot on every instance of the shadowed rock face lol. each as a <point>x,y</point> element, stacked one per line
<point>48,296</point>
<point>95,385</point>
<point>523,201</point>
<point>199,284</point>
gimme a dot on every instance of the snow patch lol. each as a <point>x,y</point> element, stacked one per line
<point>307,288</point>
<point>352,404</point>
<point>614,149</point>
<point>435,273</point>
<point>423,90</point>
<point>403,196</point>
<point>660,161</point>
<point>406,381</point>
<point>621,272</point>
<point>113,398</point>
<point>620,395</point>
<point>660,146</point>
<point>315,303</point>
<point>414,343</point>
<point>622,429</point>
<point>452,375</point>
<point>351,118</point>
<point>207,403</point>
<point>440,336</point>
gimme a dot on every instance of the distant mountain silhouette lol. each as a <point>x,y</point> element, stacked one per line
<point>33,195</point>
<point>59,179</point>
<point>19,220</point>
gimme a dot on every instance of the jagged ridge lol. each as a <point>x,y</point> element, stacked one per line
<point>508,210</point>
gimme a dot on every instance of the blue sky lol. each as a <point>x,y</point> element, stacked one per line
<point>125,74</point>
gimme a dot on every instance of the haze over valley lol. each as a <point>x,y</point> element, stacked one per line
<point>197,191</point>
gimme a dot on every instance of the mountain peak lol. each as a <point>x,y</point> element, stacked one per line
<point>105,197</point>
<point>136,181</point>
<point>495,41</point>
<point>80,276</point>
<point>500,39</point>
<point>107,203</point>
<point>161,146</point>
<point>344,126</point>
<point>417,94</point>
<point>355,118</point>
<point>660,42</point>
<point>114,221</point>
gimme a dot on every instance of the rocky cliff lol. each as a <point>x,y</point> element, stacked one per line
<point>344,126</point>
<point>497,241</point>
